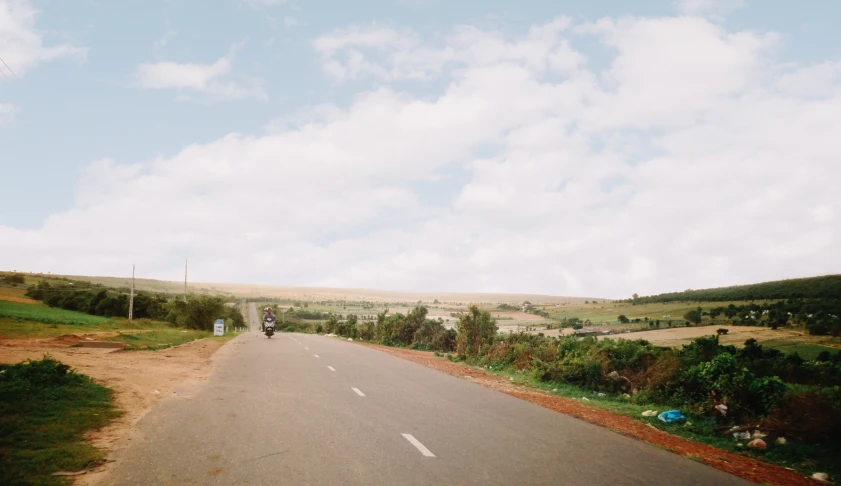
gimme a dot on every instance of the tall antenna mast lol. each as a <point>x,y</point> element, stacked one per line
<point>185,276</point>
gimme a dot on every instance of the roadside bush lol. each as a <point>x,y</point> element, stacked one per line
<point>474,329</point>
<point>366,331</point>
<point>46,409</point>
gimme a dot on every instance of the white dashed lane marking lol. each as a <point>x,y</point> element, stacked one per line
<point>331,368</point>
<point>422,448</point>
<point>358,392</point>
<point>315,355</point>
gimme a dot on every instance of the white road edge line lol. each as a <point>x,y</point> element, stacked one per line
<point>358,392</point>
<point>422,448</point>
<point>315,355</point>
<point>331,368</point>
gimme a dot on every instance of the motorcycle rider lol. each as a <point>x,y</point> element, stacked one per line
<point>268,315</point>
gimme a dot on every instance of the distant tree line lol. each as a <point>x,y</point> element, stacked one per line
<point>825,287</point>
<point>193,311</point>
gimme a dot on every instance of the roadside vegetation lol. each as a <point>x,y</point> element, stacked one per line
<point>45,410</point>
<point>193,311</point>
<point>47,315</point>
<point>780,394</point>
<point>158,339</point>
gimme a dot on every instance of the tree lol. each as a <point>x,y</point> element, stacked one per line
<point>198,311</point>
<point>635,296</point>
<point>693,316</point>
<point>731,311</point>
<point>473,330</point>
<point>623,319</point>
<point>332,324</point>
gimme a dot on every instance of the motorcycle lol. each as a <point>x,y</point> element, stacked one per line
<point>269,327</point>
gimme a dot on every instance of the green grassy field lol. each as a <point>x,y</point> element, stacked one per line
<point>609,311</point>
<point>805,350</point>
<point>47,315</point>
<point>45,411</point>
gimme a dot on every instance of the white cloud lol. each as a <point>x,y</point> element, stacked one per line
<point>528,171</point>
<point>7,112</point>
<point>392,54</point>
<point>212,79</point>
<point>713,8</point>
<point>22,45</point>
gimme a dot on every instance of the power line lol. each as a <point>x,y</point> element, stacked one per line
<point>7,67</point>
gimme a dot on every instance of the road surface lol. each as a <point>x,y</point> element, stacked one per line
<point>307,409</point>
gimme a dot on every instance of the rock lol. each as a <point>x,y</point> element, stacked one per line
<point>780,441</point>
<point>821,476</point>
<point>757,444</point>
<point>350,339</point>
<point>585,398</point>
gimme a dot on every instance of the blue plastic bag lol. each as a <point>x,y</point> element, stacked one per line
<point>670,416</point>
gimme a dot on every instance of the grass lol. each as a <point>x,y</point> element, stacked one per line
<point>45,411</point>
<point>18,328</point>
<point>805,350</point>
<point>159,339</point>
<point>47,315</point>
<point>804,458</point>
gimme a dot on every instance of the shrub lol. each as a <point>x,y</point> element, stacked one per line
<point>14,278</point>
<point>474,329</point>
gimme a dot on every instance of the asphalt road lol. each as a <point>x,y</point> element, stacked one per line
<point>306,409</point>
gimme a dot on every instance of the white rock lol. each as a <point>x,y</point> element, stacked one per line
<point>821,476</point>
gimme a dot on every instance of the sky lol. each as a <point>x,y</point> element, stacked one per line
<point>582,148</point>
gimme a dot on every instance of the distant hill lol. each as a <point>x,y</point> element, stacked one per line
<point>825,287</point>
<point>324,293</point>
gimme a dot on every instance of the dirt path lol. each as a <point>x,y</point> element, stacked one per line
<point>741,466</point>
<point>139,378</point>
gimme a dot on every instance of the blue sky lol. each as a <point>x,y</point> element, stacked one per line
<point>94,102</point>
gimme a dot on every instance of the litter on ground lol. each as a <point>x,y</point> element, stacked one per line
<point>671,416</point>
<point>757,444</point>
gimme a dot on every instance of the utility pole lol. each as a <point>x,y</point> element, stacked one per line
<point>131,297</point>
<point>185,277</point>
